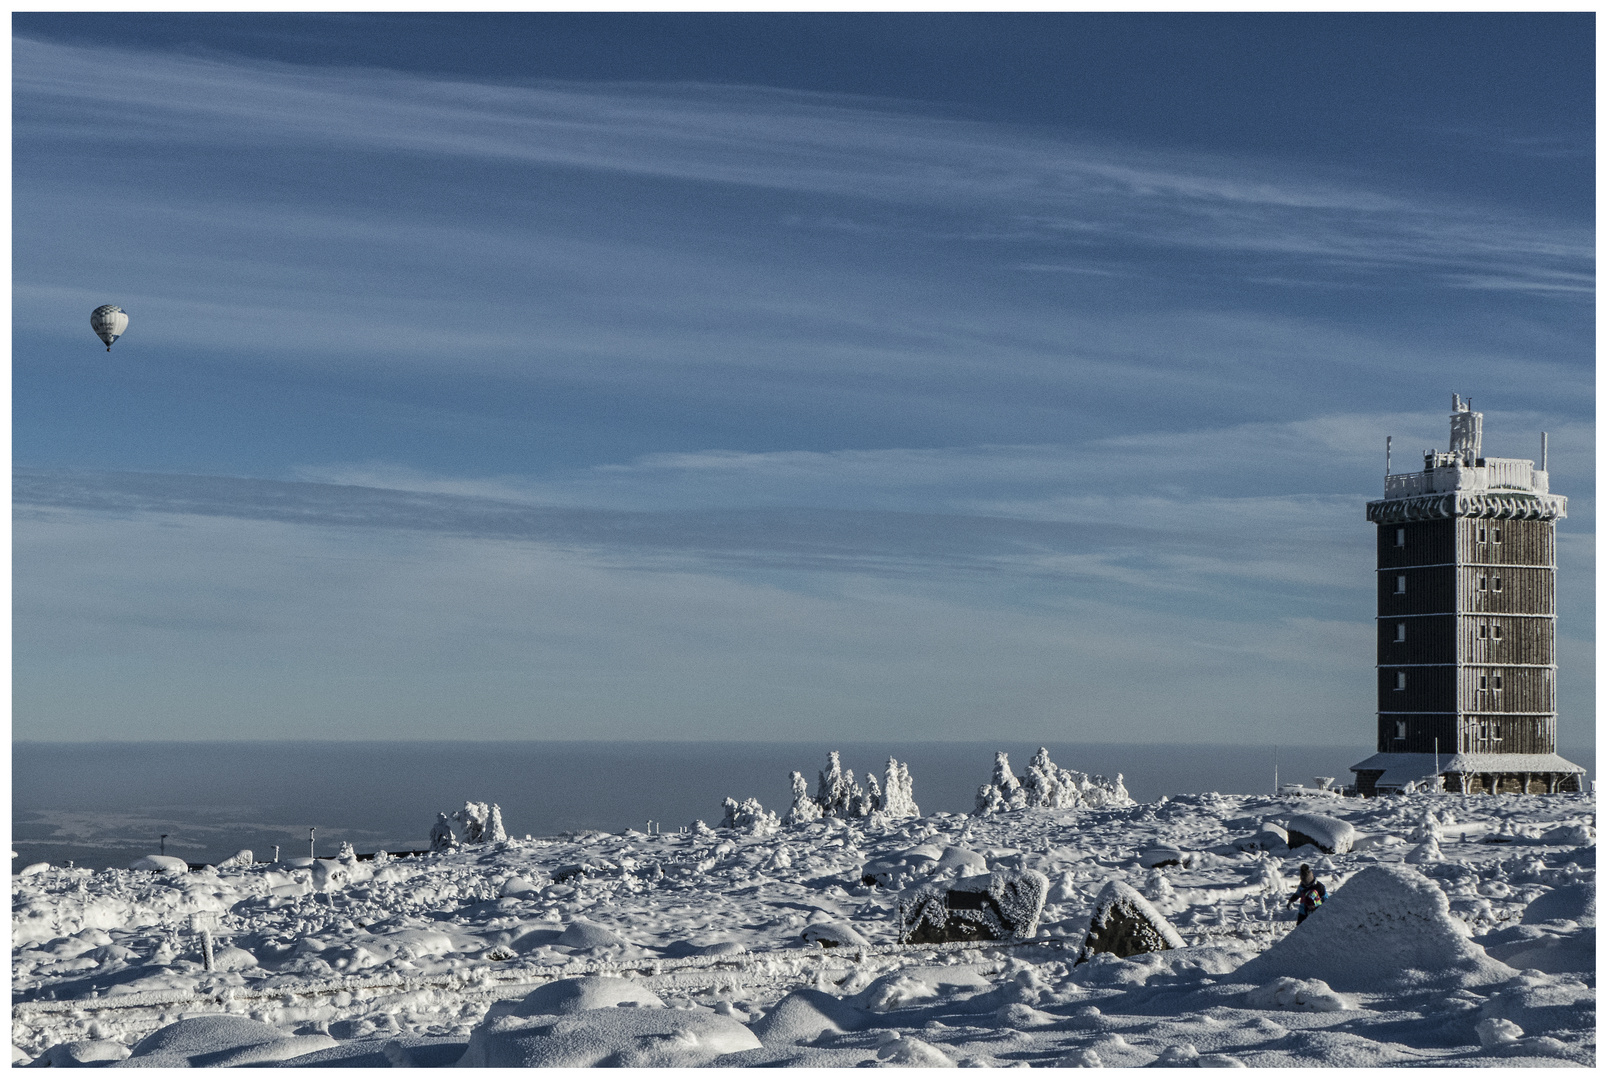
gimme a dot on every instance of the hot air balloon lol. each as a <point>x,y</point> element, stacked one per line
<point>108,321</point>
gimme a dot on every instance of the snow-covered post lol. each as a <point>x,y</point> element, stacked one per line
<point>495,834</point>
<point>276,853</point>
<point>312,850</point>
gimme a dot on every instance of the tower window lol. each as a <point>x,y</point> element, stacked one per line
<point>1482,682</point>
<point>1401,680</point>
<point>1482,536</point>
<point>1401,731</point>
<point>1497,681</point>
<point>1401,537</point>
<point>1401,584</point>
<point>1401,631</point>
<point>1482,629</point>
<point>1496,584</point>
<point>1496,536</point>
<point>1496,630</point>
<point>1481,585</point>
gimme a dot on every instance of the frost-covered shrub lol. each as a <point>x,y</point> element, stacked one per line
<point>348,853</point>
<point>473,819</point>
<point>1047,786</point>
<point>749,816</point>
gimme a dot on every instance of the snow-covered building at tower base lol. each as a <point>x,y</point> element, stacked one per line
<point>1467,583</point>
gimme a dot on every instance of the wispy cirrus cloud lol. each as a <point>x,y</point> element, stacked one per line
<point>1018,185</point>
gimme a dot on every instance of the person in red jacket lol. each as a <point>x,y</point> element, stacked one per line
<point>1311,894</point>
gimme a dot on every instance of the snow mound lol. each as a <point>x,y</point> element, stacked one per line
<point>620,1038</point>
<point>1577,903</point>
<point>219,1042</point>
<point>919,985</point>
<point>1329,835</point>
<point>581,934</point>
<point>82,1053</point>
<point>565,996</point>
<point>1124,923</point>
<point>1389,926</point>
<point>804,1016</point>
<point>160,864</point>
<point>912,1053</point>
<point>832,934</point>
<point>1297,995</point>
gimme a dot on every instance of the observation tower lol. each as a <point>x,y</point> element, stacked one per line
<point>1467,584</point>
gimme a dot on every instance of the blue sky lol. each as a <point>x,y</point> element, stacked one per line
<point>720,376</point>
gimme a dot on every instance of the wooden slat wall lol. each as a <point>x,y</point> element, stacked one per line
<point>1523,641</point>
<point>1429,592</point>
<point>1422,731</point>
<point>1526,592</point>
<point>1428,542</point>
<point>1429,641</point>
<point>1524,690</point>
<point>1519,735</point>
<point>1429,689</point>
<point>1523,543</point>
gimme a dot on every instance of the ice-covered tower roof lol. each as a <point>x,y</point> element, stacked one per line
<point>1459,482</point>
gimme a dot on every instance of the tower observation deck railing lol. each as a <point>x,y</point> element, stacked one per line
<point>1488,474</point>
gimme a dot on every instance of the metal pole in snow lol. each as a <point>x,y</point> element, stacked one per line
<point>1543,451</point>
<point>1275,770</point>
<point>162,850</point>
<point>311,851</point>
<point>276,853</point>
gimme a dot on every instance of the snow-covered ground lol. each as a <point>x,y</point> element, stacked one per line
<point>1476,945</point>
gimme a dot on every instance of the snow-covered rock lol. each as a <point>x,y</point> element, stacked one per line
<point>1124,923</point>
<point>82,1053</point>
<point>1387,926</point>
<point>160,864</point>
<point>1328,834</point>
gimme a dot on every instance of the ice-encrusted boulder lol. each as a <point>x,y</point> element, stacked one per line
<point>901,869</point>
<point>833,934</point>
<point>1124,923</point>
<point>1389,926</point>
<point>1328,834</point>
<point>987,907</point>
<point>241,858</point>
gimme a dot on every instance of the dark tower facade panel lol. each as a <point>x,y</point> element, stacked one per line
<point>1467,585</point>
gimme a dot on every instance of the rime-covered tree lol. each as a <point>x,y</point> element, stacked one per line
<point>495,833</point>
<point>898,796</point>
<point>442,838</point>
<point>804,807</point>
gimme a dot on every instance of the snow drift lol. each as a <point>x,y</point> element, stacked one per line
<point>1388,926</point>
